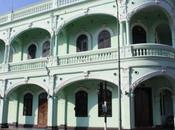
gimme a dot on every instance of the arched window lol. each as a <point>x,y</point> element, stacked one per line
<point>138,34</point>
<point>82,43</point>
<point>160,36</point>
<point>32,52</point>
<point>46,49</point>
<point>81,104</point>
<point>28,103</point>
<point>104,39</point>
<point>101,100</point>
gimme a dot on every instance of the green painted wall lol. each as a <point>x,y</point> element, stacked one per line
<point>92,120</point>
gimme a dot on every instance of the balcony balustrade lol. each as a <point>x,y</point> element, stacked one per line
<point>154,50</point>
<point>98,56</point>
<point>88,57</point>
<point>28,65</point>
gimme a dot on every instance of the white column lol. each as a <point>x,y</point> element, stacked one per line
<point>121,34</point>
<point>7,47</point>
<point>54,4</point>
<point>5,54</point>
<point>128,34</point>
<point>55,45</point>
<point>4,106</point>
<point>4,112</point>
<point>62,110</point>
<point>54,42</point>
<point>125,99</point>
<point>132,111</point>
<point>50,111</point>
<point>173,97</point>
<point>51,100</point>
<point>54,117</point>
<point>173,35</point>
<point>6,57</point>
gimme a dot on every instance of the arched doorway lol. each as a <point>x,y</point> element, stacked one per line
<point>82,101</point>
<point>166,108</point>
<point>160,36</point>
<point>153,103</point>
<point>42,110</point>
<point>138,34</point>
<point>143,107</point>
<point>27,101</point>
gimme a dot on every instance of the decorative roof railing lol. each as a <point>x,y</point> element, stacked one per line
<point>36,9</point>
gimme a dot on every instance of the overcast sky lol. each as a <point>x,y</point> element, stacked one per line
<point>9,5</point>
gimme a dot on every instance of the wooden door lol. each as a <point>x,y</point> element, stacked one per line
<point>42,110</point>
<point>143,107</point>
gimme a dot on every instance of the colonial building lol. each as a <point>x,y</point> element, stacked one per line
<point>57,56</point>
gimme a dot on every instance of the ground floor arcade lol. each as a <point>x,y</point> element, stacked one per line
<point>149,105</point>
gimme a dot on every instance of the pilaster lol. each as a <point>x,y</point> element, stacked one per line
<point>173,97</point>
<point>4,107</point>
<point>121,34</point>
<point>7,52</point>
<point>54,4</point>
<point>125,98</point>
<point>51,103</point>
<point>128,38</point>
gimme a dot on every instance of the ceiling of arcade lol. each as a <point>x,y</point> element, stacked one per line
<point>92,22</point>
<point>33,35</point>
<point>150,16</point>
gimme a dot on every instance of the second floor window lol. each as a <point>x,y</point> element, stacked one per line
<point>32,52</point>
<point>28,101</point>
<point>46,49</point>
<point>82,43</point>
<point>81,104</point>
<point>104,39</point>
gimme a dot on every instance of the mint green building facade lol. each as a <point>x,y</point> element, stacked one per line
<point>56,55</point>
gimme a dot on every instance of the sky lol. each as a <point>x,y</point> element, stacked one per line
<point>7,6</point>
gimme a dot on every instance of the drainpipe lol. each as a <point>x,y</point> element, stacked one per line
<point>119,73</point>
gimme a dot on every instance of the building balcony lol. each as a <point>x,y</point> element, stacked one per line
<point>158,51</point>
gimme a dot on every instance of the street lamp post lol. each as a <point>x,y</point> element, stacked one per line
<point>103,96</point>
<point>119,73</point>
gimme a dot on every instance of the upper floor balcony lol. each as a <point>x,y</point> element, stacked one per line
<point>161,52</point>
<point>88,39</point>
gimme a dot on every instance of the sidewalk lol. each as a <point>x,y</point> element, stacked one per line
<point>21,129</point>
